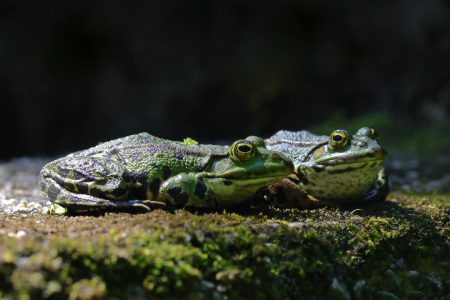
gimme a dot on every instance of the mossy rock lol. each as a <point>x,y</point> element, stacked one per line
<point>395,250</point>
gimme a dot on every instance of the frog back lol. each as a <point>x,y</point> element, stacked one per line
<point>135,140</point>
<point>295,144</point>
<point>143,151</point>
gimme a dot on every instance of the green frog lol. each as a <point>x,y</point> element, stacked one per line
<point>330,170</point>
<point>143,171</point>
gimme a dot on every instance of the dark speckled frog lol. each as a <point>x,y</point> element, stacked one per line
<point>145,171</point>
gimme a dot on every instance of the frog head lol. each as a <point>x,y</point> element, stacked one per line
<point>344,165</point>
<point>247,167</point>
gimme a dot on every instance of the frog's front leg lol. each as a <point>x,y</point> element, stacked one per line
<point>88,183</point>
<point>379,191</point>
<point>287,194</point>
<point>187,190</point>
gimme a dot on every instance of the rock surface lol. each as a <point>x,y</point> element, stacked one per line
<point>395,250</point>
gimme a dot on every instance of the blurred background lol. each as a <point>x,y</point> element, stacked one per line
<point>73,73</point>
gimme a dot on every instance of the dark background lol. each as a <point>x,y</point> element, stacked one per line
<point>73,73</point>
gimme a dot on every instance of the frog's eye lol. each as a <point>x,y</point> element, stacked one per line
<point>243,150</point>
<point>339,138</point>
<point>368,132</point>
<point>375,135</point>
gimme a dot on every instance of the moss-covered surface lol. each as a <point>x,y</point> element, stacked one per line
<point>400,248</point>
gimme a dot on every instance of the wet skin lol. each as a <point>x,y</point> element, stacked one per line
<point>334,170</point>
<point>143,171</point>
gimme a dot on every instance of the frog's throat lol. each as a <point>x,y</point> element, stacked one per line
<point>234,191</point>
<point>255,180</point>
<point>244,176</point>
<point>241,183</point>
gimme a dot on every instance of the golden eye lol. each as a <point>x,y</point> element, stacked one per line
<point>368,132</point>
<point>339,138</point>
<point>375,135</point>
<point>243,150</point>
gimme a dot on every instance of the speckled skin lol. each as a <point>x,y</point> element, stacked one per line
<point>146,171</point>
<point>327,175</point>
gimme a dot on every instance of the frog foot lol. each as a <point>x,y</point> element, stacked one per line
<point>287,194</point>
<point>57,210</point>
<point>380,190</point>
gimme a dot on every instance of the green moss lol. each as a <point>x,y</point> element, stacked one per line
<point>399,248</point>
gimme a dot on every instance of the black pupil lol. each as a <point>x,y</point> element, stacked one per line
<point>244,148</point>
<point>337,138</point>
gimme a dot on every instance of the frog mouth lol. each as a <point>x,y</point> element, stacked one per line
<point>351,161</point>
<point>337,166</point>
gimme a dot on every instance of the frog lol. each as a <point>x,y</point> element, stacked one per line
<point>144,172</point>
<point>335,170</point>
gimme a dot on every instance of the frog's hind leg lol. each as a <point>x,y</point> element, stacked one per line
<point>90,184</point>
<point>76,202</point>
